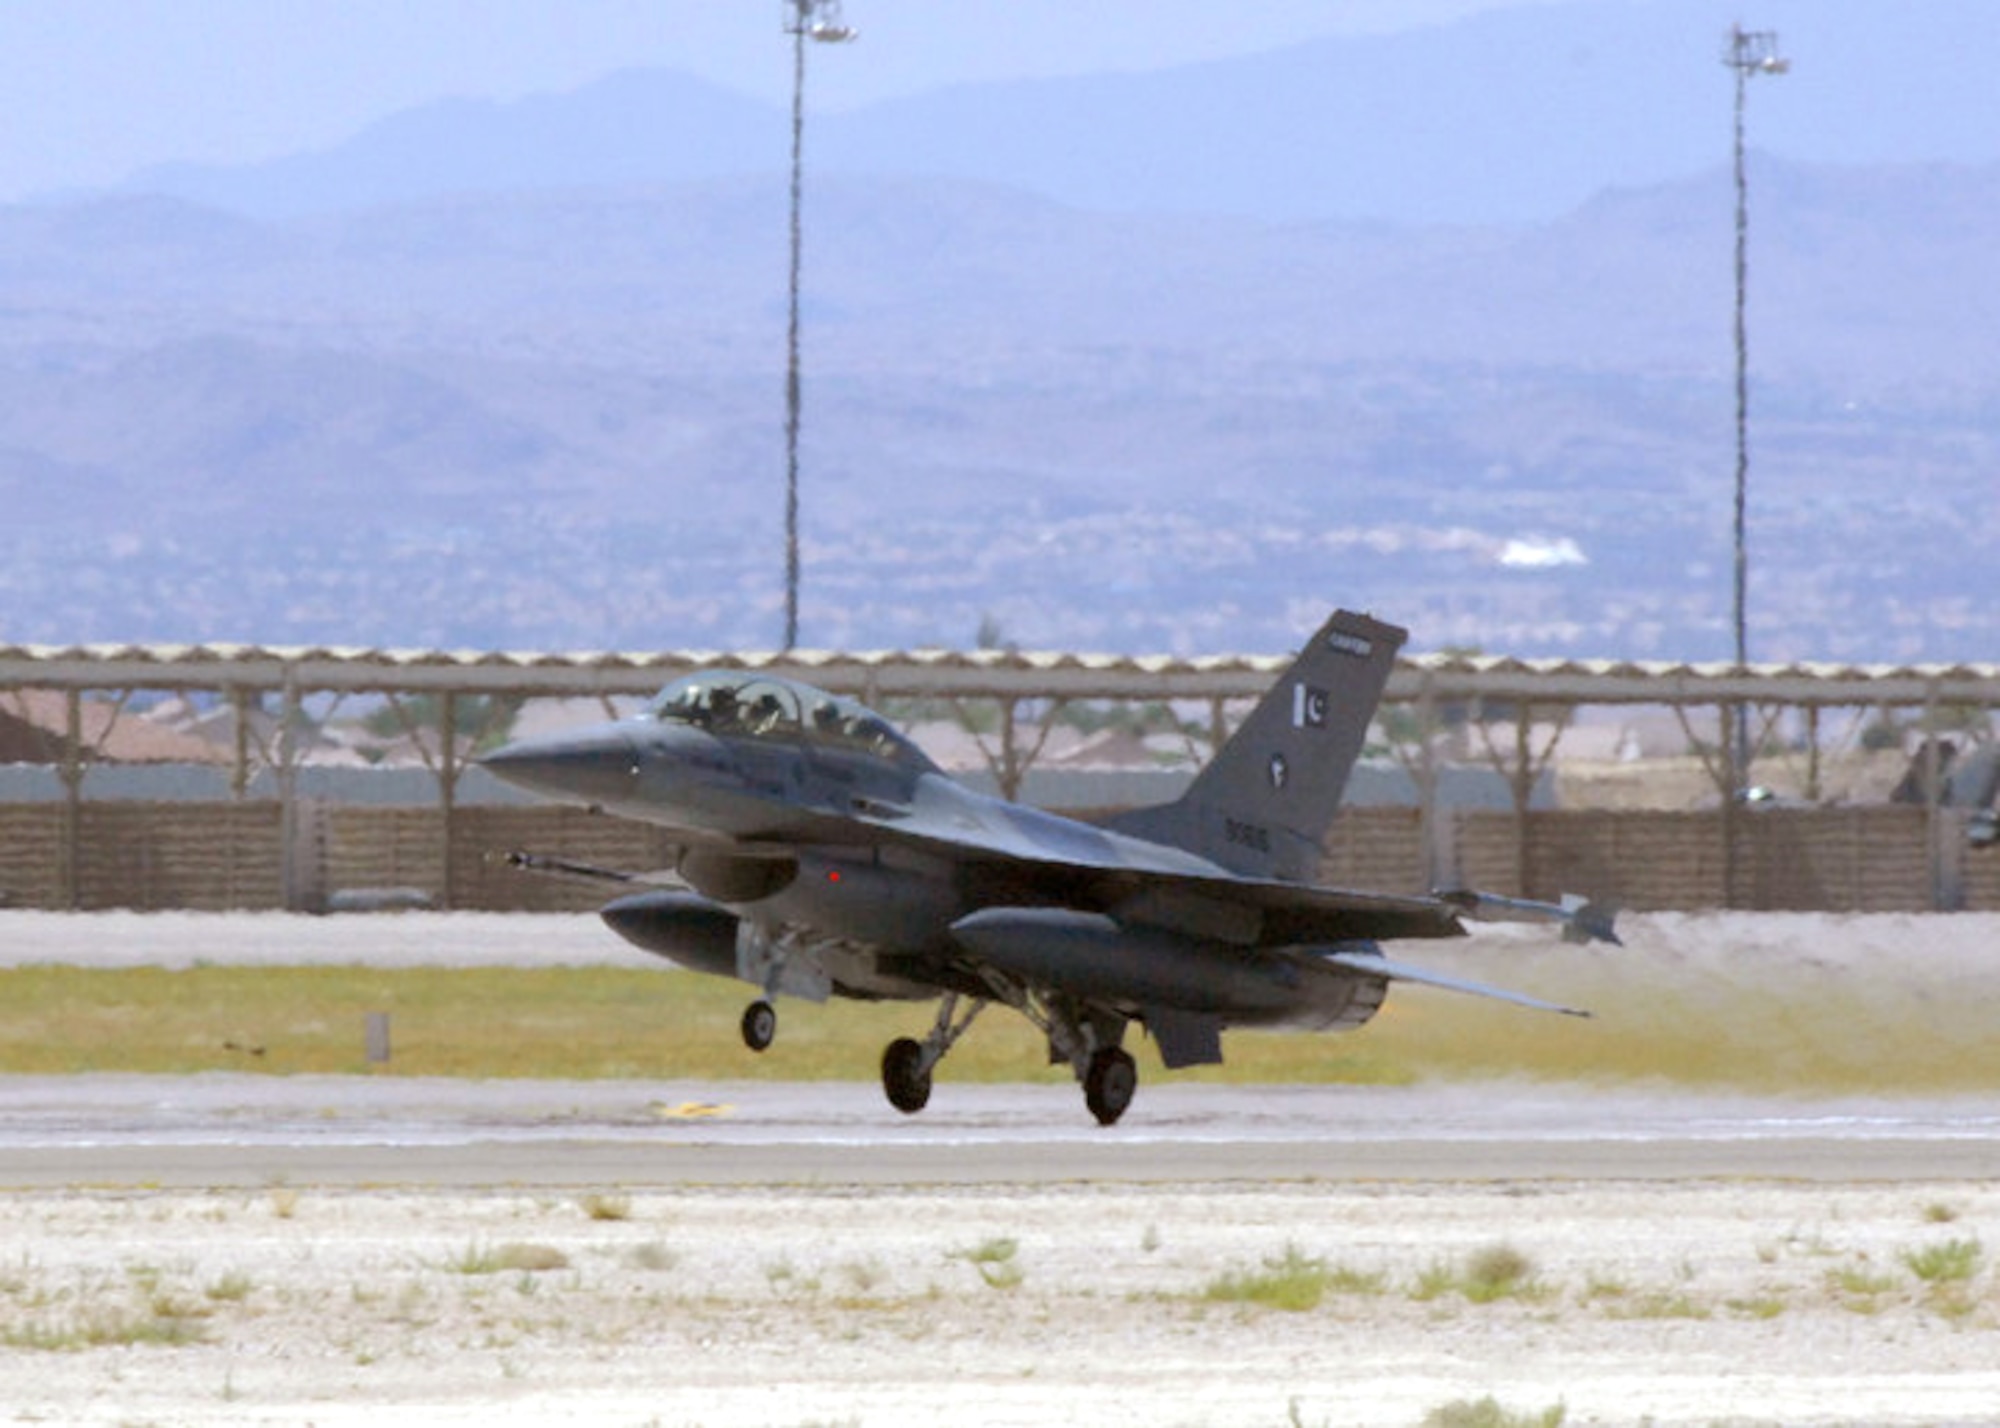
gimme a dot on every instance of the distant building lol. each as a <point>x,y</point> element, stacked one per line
<point>34,729</point>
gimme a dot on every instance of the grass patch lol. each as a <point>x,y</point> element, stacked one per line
<point>1294,1282</point>
<point>995,1261</point>
<point>1858,1288</point>
<point>652,1023</point>
<point>230,1289</point>
<point>1490,1413</point>
<point>1660,1304</point>
<point>1485,1276</point>
<point>576,1023</point>
<point>508,1259</point>
<point>106,1328</point>
<point>1757,1306</point>
<point>1952,1262</point>
<point>612,1208</point>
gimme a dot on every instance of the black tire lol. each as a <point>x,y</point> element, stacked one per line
<point>1109,1084</point>
<point>906,1081</point>
<point>760,1025</point>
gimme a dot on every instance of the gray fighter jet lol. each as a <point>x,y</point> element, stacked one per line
<point>821,854</point>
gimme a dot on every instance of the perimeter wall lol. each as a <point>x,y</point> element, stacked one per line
<point>224,856</point>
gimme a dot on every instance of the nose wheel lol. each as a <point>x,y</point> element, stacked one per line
<point>760,1025</point>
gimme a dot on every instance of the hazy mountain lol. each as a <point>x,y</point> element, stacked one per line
<point>634,127</point>
<point>1515,115</point>
<point>555,419</point>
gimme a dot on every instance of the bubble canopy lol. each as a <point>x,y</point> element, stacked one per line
<point>765,707</point>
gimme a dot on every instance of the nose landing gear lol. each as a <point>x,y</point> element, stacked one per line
<point>760,1025</point>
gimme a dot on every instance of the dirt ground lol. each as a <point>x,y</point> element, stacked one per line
<point>1692,1303</point>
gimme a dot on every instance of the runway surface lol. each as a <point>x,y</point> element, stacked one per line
<point>242,1130</point>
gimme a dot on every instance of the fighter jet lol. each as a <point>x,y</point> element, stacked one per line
<point>822,854</point>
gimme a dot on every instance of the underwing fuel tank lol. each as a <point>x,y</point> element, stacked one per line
<point>679,926</point>
<point>1093,957</point>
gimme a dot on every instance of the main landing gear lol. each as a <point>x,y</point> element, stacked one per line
<point>1109,1082</point>
<point>1088,1041</point>
<point>906,1075</point>
<point>1109,1074</point>
<point>907,1064</point>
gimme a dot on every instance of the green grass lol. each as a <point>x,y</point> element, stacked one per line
<point>995,1261</point>
<point>1949,1263</point>
<point>1485,1276</point>
<point>1490,1413</point>
<point>1823,1036</point>
<point>583,1023</point>
<point>106,1328</point>
<point>1293,1281</point>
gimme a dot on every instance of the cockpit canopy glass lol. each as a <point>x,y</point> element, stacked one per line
<point>762,706</point>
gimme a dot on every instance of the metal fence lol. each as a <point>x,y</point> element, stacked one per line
<point>221,856</point>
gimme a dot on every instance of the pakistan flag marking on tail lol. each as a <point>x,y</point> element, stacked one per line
<point>1262,806</point>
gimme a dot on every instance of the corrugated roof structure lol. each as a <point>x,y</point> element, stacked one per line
<point>981,673</point>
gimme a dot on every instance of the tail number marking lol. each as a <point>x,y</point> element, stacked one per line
<point>1247,835</point>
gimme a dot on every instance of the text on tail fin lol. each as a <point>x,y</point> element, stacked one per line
<point>1263,804</point>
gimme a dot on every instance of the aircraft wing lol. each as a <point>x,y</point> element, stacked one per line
<point>1134,879</point>
<point>1014,852</point>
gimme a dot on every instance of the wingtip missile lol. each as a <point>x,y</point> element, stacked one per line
<point>1581,919</point>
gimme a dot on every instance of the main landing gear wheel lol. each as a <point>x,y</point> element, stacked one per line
<point>760,1025</point>
<point>906,1080</point>
<point>1109,1083</point>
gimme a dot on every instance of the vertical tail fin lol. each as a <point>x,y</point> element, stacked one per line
<point>1264,802</point>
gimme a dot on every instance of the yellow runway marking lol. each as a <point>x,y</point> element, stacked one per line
<point>690,1111</point>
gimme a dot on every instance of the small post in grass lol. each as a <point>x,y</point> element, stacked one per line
<point>378,1038</point>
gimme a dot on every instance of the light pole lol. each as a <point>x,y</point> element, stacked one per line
<point>819,21</point>
<point>1748,52</point>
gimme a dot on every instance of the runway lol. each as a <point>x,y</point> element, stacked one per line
<point>245,1131</point>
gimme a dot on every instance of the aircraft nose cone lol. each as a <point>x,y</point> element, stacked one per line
<point>590,765</point>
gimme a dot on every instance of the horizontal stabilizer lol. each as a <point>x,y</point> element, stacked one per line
<point>1582,920</point>
<point>1374,966</point>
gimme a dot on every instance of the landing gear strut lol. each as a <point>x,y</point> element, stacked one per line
<point>907,1064</point>
<point>1087,1040</point>
<point>760,1025</point>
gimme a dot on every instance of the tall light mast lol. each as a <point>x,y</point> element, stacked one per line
<point>820,22</point>
<point>1747,53</point>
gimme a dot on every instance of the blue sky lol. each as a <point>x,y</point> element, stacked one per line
<point>99,88</point>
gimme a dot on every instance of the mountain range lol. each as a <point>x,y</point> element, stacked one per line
<point>500,375</point>
<point>1517,114</point>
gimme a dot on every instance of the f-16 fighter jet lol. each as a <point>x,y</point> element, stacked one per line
<point>822,854</point>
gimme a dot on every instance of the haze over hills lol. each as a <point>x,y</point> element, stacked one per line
<point>1514,115</point>
<point>498,375</point>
